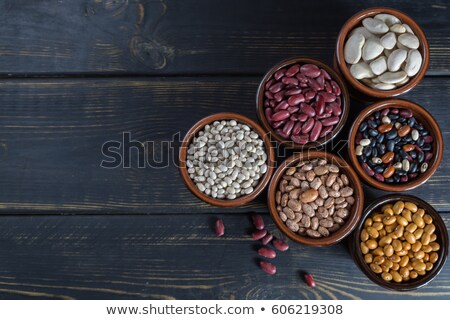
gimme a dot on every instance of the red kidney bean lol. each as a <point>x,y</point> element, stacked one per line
<point>293,117</point>
<point>267,103</point>
<point>325,74</point>
<point>309,95</point>
<point>315,132</point>
<point>321,81</point>
<point>335,109</point>
<point>279,74</point>
<point>338,101</point>
<point>280,245</point>
<point>268,94</point>
<point>394,111</point>
<point>301,78</point>
<point>220,228</point>
<point>279,95</point>
<point>428,156</point>
<point>319,111</point>
<point>406,113</point>
<point>258,221</point>
<point>295,100</point>
<point>292,71</point>
<point>310,70</point>
<point>330,121</point>
<point>292,92</point>
<point>293,109</point>
<point>325,131</point>
<point>297,128</point>
<point>328,87</point>
<point>314,85</point>
<point>404,179</point>
<point>269,83</point>
<point>287,129</point>
<point>272,103</point>
<point>302,139</point>
<point>259,234</point>
<point>303,85</point>
<point>280,132</point>
<point>358,138</point>
<point>267,253</point>
<point>283,105</point>
<point>276,87</point>
<point>302,117</point>
<point>281,115</point>
<point>305,108</point>
<point>329,97</point>
<point>428,139</point>
<point>385,112</point>
<point>267,239</point>
<point>336,88</point>
<point>320,102</point>
<point>268,268</point>
<point>287,80</point>
<point>413,175</point>
<point>309,279</point>
<point>323,116</point>
<point>379,177</point>
<point>368,169</point>
<point>268,112</point>
<point>308,125</point>
<point>278,124</point>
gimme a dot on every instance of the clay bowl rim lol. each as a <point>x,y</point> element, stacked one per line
<point>420,113</point>
<point>345,103</point>
<point>351,222</point>
<point>410,285</point>
<point>354,22</point>
<point>193,131</point>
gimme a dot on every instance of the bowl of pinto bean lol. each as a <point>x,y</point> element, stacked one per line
<point>303,103</point>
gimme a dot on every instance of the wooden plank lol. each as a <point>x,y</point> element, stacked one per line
<point>166,257</point>
<point>52,131</point>
<point>187,37</point>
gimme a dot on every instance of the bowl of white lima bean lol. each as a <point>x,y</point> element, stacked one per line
<point>226,159</point>
<point>381,53</point>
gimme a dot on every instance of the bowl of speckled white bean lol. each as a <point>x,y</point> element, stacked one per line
<point>226,159</point>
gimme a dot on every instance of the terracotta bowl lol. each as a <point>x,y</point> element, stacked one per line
<point>351,220</point>
<point>363,91</point>
<point>442,239</point>
<point>344,96</point>
<point>421,115</point>
<point>193,132</point>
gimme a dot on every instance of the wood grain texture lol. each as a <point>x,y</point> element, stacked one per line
<point>172,257</point>
<point>187,37</point>
<point>52,131</point>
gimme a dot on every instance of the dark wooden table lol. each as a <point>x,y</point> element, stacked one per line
<point>75,74</point>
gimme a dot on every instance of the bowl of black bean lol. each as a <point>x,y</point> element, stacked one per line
<point>395,145</point>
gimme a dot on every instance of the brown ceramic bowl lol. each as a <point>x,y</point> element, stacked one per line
<point>193,132</point>
<point>442,239</point>
<point>351,220</point>
<point>360,88</point>
<point>421,115</point>
<point>345,103</point>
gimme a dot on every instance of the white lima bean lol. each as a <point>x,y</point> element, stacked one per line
<point>226,160</point>
<point>383,52</point>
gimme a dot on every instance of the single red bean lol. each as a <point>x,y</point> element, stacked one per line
<point>220,228</point>
<point>323,116</point>
<point>267,239</point>
<point>293,109</point>
<point>368,169</point>
<point>272,103</point>
<point>267,253</point>
<point>297,128</point>
<point>315,132</point>
<point>320,102</point>
<point>309,279</point>
<point>321,81</point>
<point>288,81</point>
<point>307,109</point>
<point>428,139</point>
<point>293,117</point>
<point>308,125</point>
<point>279,74</point>
<point>394,111</point>
<point>418,149</point>
<point>268,94</point>
<point>301,78</point>
<point>287,129</point>
<point>404,179</point>
<point>335,108</point>
<point>292,92</point>
<point>283,105</point>
<point>303,85</point>
<point>336,88</point>
<point>276,87</point>
<point>358,138</point>
<point>379,177</point>
<point>310,70</point>
<point>279,95</point>
<point>406,113</point>
<point>302,139</point>
<point>302,117</point>
<point>292,71</point>
<point>325,74</point>
<point>329,97</point>
<point>258,221</point>
<point>267,103</point>
<point>269,83</point>
<point>280,245</point>
<point>319,111</point>
<point>328,87</point>
<point>295,100</point>
<point>280,132</point>
<point>338,101</point>
<point>385,112</point>
<point>428,156</point>
<point>259,234</point>
<point>325,131</point>
<point>413,175</point>
<point>278,124</point>
<point>409,158</point>
<point>330,121</point>
<point>313,84</point>
<point>309,94</point>
<point>268,268</point>
<point>281,115</point>
<point>268,112</point>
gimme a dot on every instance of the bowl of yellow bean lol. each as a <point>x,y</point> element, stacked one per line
<point>401,242</point>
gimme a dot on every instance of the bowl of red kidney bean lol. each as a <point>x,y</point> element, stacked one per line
<point>302,102</point>
<point>395,145</point>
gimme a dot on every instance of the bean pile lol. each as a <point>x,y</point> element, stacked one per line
<point>226,160</point>
<point>399,242</point>
<point>393,147</point>
<point>314,198</point>
<point>302,103</point>
<point>383,53</point>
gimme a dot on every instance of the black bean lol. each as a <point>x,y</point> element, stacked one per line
<point>366,135</point>
<point>396,178</point>
<point>401,119</point>
<point>394,117</point>
<point>373,132</point>
<point>424,133</point>
<point>418,126</point>
<point>380,138</point>
<point>426,147</point>
<point>403,154</point>
<point>396,146</point>
<point>421,156</point>
<point>397,157</point>
<point>413,154</point>
<point>381,149</point>
<point>363,127</point>
<point>407,139</point>
<point>367,151</point>
<point>391,134</point>
<point>372,124</point>
<point>401,173</point>
<point>363,158</point>
<point>373,143</point>
<point>397,140</point>
<point>378,169</point>
<point>377,115</point>
<point>420,142</point>
<point>411,122</point>
<point>389,180</point>
<point>374,152</point>
<point>413,167</point>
